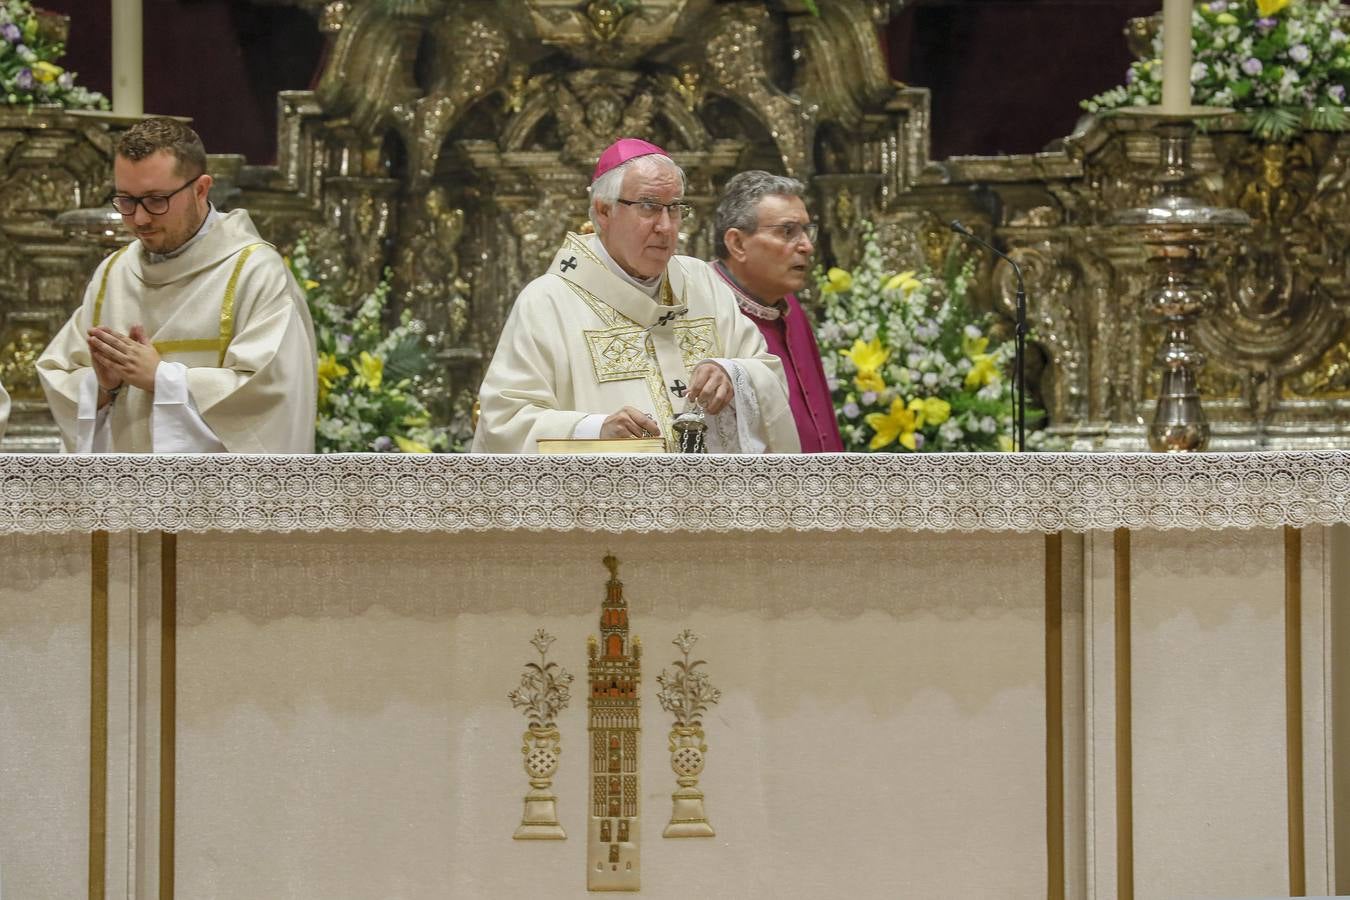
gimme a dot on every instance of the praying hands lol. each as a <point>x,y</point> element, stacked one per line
<point>123,359</point>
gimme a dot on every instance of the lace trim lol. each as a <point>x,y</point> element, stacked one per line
<point>822,492</point>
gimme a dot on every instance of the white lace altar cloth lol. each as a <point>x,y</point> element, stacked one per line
<point>829,492</point>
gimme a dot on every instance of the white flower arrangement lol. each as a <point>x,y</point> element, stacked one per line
<point>1284,62</point>
<point>910,367</point>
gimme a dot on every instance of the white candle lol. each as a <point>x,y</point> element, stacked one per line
<point>127,91</point>
<point>1176,37</point>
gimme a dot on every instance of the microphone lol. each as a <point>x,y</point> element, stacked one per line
<point>1019,334</point>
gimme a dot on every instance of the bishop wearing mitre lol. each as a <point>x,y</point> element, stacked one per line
<point>621,335</point>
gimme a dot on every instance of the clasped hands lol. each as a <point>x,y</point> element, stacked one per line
<point>710,385</point>
<point>123,359</point>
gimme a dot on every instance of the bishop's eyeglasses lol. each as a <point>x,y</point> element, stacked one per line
<point>651,209</point>
<point>155,204</point>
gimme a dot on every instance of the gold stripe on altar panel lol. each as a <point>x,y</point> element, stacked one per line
<point>98,714</point>
<point>1293,705</point>
<point>1124,722</point>
<point>168,694</point>
<point>1054,715</point>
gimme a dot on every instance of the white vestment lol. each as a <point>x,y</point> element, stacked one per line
<point>581,342</point>
<point>238,359</point>
<point>4,410</point>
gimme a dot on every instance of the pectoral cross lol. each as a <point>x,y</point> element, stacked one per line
<point>678,388</point>
<point>569,263</point>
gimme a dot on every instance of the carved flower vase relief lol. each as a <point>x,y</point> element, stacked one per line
<point>543,693</point>
<point>686,693</point>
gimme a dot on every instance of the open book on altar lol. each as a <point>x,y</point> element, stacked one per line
<point>602,445</point>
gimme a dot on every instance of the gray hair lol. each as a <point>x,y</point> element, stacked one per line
<point>608,186</point>
<point>741,197</point>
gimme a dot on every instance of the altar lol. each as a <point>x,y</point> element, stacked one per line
<point>940,676</point>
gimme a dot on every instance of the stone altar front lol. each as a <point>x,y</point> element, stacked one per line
<point>976,676</point>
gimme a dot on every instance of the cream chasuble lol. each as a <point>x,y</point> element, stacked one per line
<point>229,310</point>
<point>581,341</point>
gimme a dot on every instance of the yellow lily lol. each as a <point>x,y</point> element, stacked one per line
<point>905,281</point>
<point>1005,443</point>
<point>899,423</point>
<point>46,72</point>
<point>1269,8</point>
<point>310,284</point>
<point>867,356</point>
<point>839,281</point>
<point>369,371</point>
<point>984,371</point>
<point>870,381</point>
<point>930,411</point>
<point>330,369</point>
<point>973,347</point>
<point>407,445</point>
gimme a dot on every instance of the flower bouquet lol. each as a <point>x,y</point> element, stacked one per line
<point>372,383</point>
<point>911,367</point>
<point>31,41</point>
<point>1286,63</point>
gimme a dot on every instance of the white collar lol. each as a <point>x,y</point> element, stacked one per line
<point>650,287</point>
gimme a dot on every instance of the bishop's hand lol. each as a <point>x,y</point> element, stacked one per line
<point>629,423</point>
<point>711,386</point>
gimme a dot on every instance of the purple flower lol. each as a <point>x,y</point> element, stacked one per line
<point>1265,23</point>
<point>918,442</point>
<point>10,32</point>
<point>1129,75</point>
<point>1252,66</point>
<point>25,80</point>
<point>66,81</point>
<point>1337,36</point>
<point>869,397</point>
<point>1337,93</point>
<point>383,444</point>
<point>1299,53</point>
<point>1218,6</point>
<point>851,410</point>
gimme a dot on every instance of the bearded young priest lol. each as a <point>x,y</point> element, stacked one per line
<point>194,337</point>
<point>620,333</point>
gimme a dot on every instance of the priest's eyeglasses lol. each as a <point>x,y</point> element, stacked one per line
<point>155,204</point>
<point>792,231</point>
<point>651,209</point>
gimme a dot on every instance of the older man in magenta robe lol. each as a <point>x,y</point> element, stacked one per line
<point>763,244</point>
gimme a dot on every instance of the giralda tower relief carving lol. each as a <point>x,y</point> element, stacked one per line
<point>614,832</point>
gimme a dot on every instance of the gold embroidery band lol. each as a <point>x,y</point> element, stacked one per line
<point>98,714</point>
<point>1124,723</point>
<point>617,354</point>
<point>1054,715</point>
<point>103,285</point>
<point>227,305</point>
<point>200,345</point>
<point>1293,705</point>
<point>168,707</point>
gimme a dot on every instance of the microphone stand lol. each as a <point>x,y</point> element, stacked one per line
<point>1019,335</point>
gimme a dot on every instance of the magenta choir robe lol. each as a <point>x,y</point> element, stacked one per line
<point>787,331</point>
